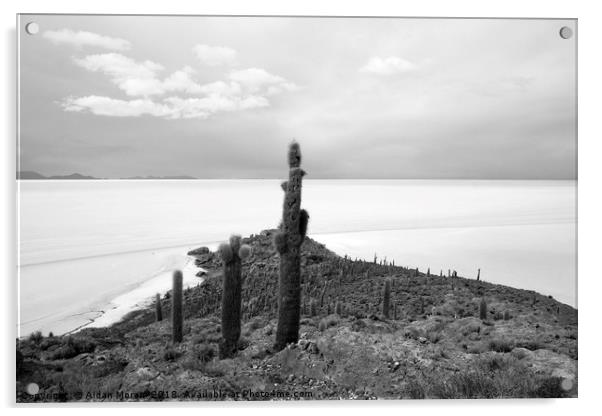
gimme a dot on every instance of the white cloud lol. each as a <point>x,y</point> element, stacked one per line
<point>241,90</point>
<point>388,66</point>
<point>256,79</point>
<point>135,78</point>
<point>206,106</point>
<point>215,55</point>
<point>82,38</point>
<point>106,106</point>
<point>171,107</point>
<point>182,81</point>
<point>229,88</point>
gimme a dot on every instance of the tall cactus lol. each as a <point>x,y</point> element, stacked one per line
<point>232,254</point>
<point>483,309</point>
<point>158,311</point>
<point>176,307</point>
<point>288,242</point>
<point>386,298</point>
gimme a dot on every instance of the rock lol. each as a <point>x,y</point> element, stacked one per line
<point>422,340</point>
<point>520,353</point>
<point>199,251</point>
<point>146,373</point>
<point>203,259</point>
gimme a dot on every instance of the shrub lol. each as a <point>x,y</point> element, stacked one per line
<point>322,325</point>
<point>108,367</point>
<point>551,387</point>
<point>71,347</point>
<point>36,337</point>
<point>49,342</point>
<point>204,353</point>
<point>434,336</point>
<point>531,345</point>
<point>171,354</point>
<point>501,345</point>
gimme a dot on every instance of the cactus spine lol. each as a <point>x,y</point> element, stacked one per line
<point>158,311</point>
<point>483,309</point>
<point>386,298</point>
<point>232,254</point>
<point>288,242</point>
<point>176,307</point>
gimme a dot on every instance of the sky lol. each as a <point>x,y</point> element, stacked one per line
<point>366,98</point>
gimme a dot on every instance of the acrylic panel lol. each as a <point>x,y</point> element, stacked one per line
<point>305,208</point>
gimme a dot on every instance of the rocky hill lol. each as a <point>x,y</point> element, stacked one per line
<point>433,344</point>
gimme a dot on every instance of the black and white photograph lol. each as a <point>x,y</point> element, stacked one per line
<point>271,208</point>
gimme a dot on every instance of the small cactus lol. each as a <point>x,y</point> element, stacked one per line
<point>386,298</point>
<point>176,307</point>
<point>483,310</point>
<point>313,307</point>
<point>158,311</point>
<point>232,254</point>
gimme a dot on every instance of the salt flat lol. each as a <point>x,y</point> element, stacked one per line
<point>91,246</point>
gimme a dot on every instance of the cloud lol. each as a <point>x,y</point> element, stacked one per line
<point>82,38</point>
<point>241,90</point>
<point>215,103</point>
<point>388,66</point>
<point>169,108</point>
<point>134,78</point>
<point>256,79</point>
<point>106,106</point>
<point>182,81</point>
<point>215,55</point>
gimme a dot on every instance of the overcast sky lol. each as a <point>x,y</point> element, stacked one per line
<point>217,97</point>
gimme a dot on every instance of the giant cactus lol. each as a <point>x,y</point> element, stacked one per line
<point>158,311</point>
<point>176,307</point>
<point>386,298</point>
<point>232,254</point>
<point>288,242</point>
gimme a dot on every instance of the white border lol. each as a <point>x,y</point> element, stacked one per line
<point>589,211</point>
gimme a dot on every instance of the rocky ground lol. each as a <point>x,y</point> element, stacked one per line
<point>432,345</point>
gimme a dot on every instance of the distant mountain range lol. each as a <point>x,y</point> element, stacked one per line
<point>28,174</point>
